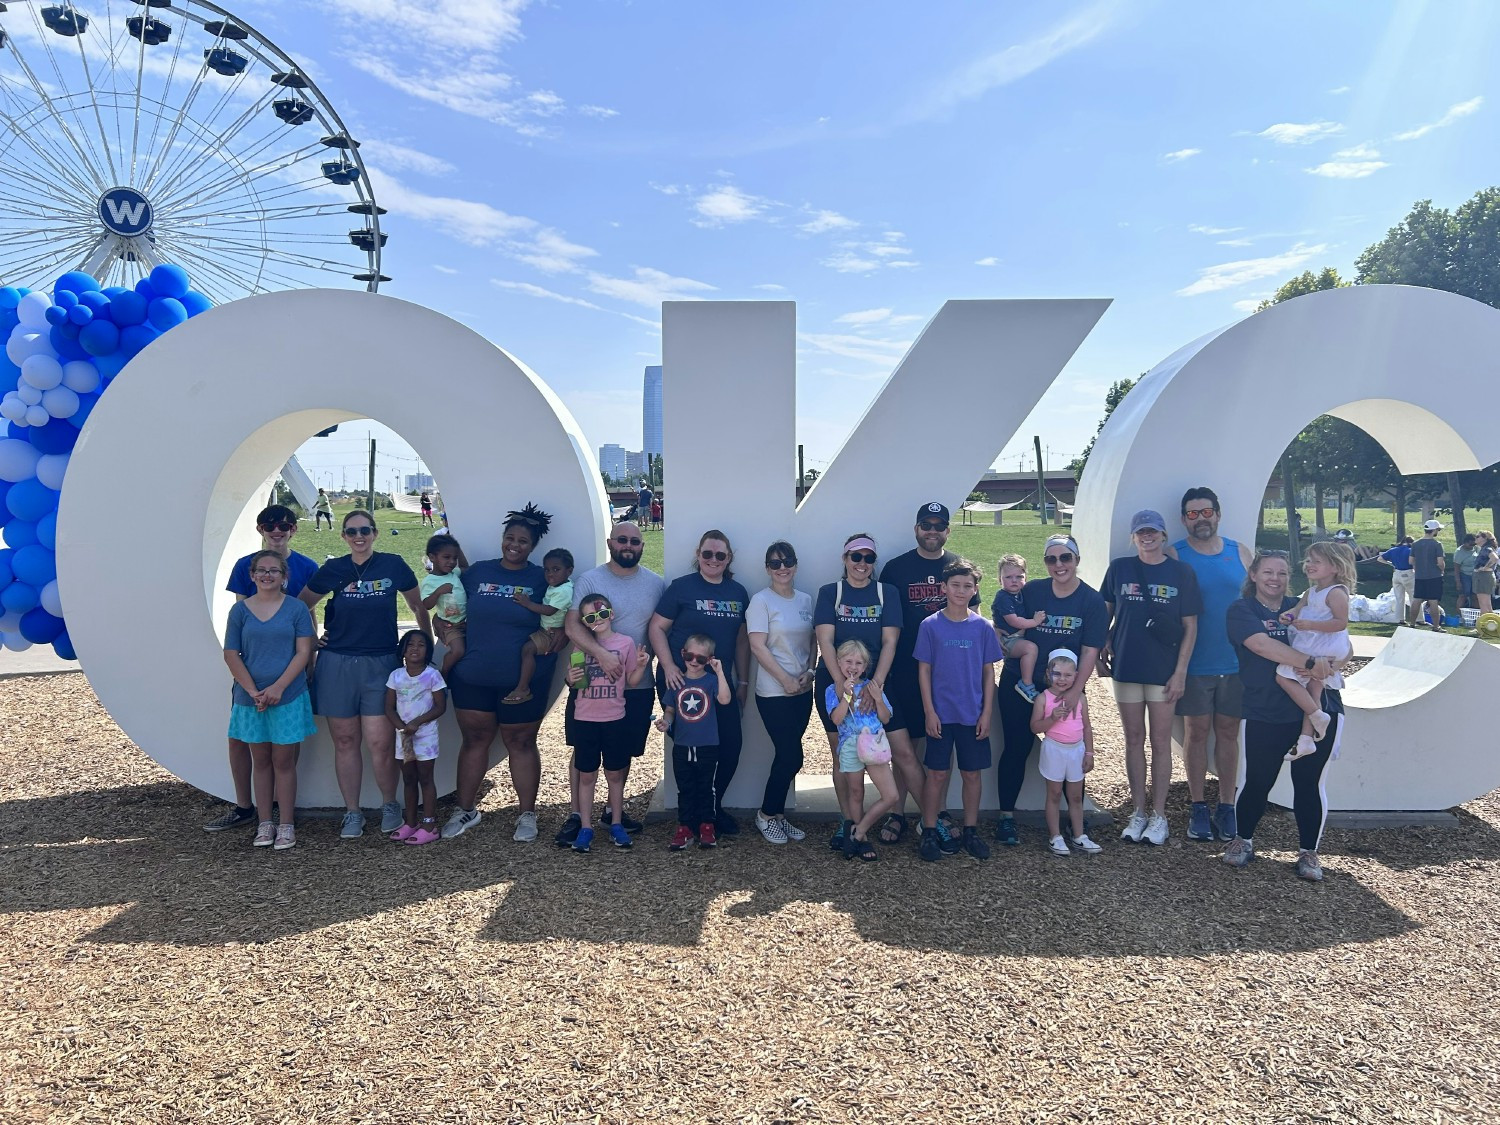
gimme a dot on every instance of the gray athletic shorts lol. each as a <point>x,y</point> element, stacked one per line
<point>347,687</point>
<point>1212,695</point>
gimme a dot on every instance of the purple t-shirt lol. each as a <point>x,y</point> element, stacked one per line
<point>958,652</point>
<point>603,700</point>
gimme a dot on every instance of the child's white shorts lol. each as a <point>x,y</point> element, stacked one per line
<point>1334,682</point>
<point>1061,761</point>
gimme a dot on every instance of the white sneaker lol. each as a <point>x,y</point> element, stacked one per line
<point>792,831</point>
<point>460,822</point>
<point>1135,829</point>
<point>1319,721</point>
<point>770,828</point>
<point>525,828</point>
<point>1059,846</point>
<point>1083,842</point>
<point>1156,830</point>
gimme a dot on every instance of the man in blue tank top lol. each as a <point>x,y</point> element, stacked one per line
<point>1212,695</point>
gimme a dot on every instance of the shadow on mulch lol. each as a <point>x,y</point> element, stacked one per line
<point>140,847</point>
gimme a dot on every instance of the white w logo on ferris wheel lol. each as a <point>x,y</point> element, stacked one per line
<point>125,212</point>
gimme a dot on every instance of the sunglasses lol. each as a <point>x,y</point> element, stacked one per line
<point>932,525</point>
<point>603,613</point>
<point>1056,560</point>
<point>1273,554</point>
<point>359,531</point>
<point>861,557</point>
<point>262,572</point>
<point>1198,513</point>
<point>780,564</point>
<point>716,556</point>
<point>279,525</point>
<point>627,541</point>
<point>695,658</point>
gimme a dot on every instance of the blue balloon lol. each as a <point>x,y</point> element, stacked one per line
<point>128,308</point>
<point>100,338</point>
<point>34,565</point>
<point>5,486</point>
<point>86,404</point>
<point>46,531</point>
<point>143,287</point>
<point>68,349</point>
<point>20,598</point>
<point>195,302</point>
<point>55,437</point>
<point>113,291</point>
<point>166,312</point>
<point>80,315</point>
<point>63,646</point>
<point>109,366</point>
<point>136,337</point>
<point>10,297</point>
<point>65,299</point>
<point>57,315</point>
<point>169,280</point>
<point>19,533</point>
<point>6,573</point>
<point>30,500</point>
<point>76,282</point>
<point>40,627</point>
<point>96,301</point>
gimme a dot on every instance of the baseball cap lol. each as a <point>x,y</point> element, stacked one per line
<point>933,511</point>
<point>1432,525</point>
<point>1343,533</point>
<point>1147,518</point>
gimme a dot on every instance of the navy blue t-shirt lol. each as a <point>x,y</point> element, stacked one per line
<point>918,582</point>
<point>1006,603</point>
<point>716,609</point>
<point>697,705</point>
<point>1265,702</point>
<point>497,625</point>
<point>1138,591</point>
<point>859,616</point>
<point>364,601</point>
<point>1076,622</point>
<point>299,568</point>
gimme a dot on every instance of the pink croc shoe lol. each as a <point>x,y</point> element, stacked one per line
<point>424,836</point>
<point>404,833</point>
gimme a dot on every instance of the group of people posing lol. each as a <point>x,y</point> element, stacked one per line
<point>899,668</point>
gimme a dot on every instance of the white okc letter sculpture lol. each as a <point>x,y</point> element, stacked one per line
<point>1220,411</point>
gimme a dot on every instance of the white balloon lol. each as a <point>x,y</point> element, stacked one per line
<point>42,372</point>
<point>37,415</point>
<point>60,402</point>
<point>28,394</point>
<point>32,310</point>
<point>50,600</point>
<point>50,468</point>
<point>12,408</point>
<point>11,622</point>
<point>22,343</point>
<point>80,375</point>
<point>15,642</point>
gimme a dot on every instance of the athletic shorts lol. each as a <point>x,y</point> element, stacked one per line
<point>351,686</point>
<point>1484,582</point>
<point>639,704</point>
<point>972,751</point>
<point>1139,693</point>
<point>821,683</point>
<point>1466,583</point>
<point>1428,589</point>
<point>1008,644</point>
<point>466,696</point>
<point>600,743</point>
<point>1061,761</point>
<point>1212,695</point>
<point>905,693</point>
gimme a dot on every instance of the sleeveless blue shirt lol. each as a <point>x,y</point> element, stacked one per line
<point>1219,580</point>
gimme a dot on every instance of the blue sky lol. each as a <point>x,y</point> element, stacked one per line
<point>555,170</point>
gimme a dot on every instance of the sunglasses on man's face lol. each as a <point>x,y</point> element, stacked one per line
<point>695,658</point>
<point>716,556</point>
<point>1198,513</point>
<point>627,541</point>
<point>359,531</point>
<point>279,525</point>
<point>1058,560</point>
<point>603,613</point>
<point>862,557</point>
<point>932,525</point>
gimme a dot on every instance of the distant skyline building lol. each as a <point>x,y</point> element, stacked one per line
<point>612,461</point>
<point>415,482</point>
<point>651,413</point>
<point>635,464</point>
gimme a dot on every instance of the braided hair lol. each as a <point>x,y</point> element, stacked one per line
<point>532,518</point>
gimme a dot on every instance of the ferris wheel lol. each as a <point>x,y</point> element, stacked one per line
<point>157,131</point>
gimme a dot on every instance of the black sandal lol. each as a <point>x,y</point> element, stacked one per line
<point>866,851</point>
<point>892,828</point>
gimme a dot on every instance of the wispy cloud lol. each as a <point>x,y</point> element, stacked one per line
<point>1198,228</point>
<point>770,287</point>
<point>884,353</point>
<point>603,113</point>
<point>1339,90</point>
<point>727,204</point>
<point>1347,169</point>
<point>866,257</point>
<point>530,290</point>
<point>1455,113</point>
<point>990,261</point>
<point>1288,133</point>
<point>824,221</point>
<point>1363,151</point>
<point>399,158</point>
<point>1248,305</point>
<point>550,252</point>
<point>863,317</point>
<point>1231,275</point>
<point>1179,155</point>
<point>648,287</point>
<point>445,269</point>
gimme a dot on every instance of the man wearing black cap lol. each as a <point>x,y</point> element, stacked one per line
<point>918,578</point>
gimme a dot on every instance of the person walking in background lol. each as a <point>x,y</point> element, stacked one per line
<point>1463,569</point>
<point>1428,561</point>
<point>426,504</point>
<point>1403,577</point>
<point>322,510</point>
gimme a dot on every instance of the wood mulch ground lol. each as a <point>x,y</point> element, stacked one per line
<point>150,972</point>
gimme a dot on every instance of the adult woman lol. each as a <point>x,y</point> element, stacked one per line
<point>358,653</point>
<point>1077,620</point>
<point>425,503</point>
<point>1403,575</point>
<point>708,600</point>
<point>857,608</point>
<point>504,596</point>
<point>1464,556</point>
<point>1272,720</point>
<point>779,624</point>
<point>1486,558</point>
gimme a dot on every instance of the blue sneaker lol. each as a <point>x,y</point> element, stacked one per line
<point>1200,825</point>
<point>353,826</point>
<point>620,835</point>
<point>1225,824</point>
<point>1027,691</point>
<point>946,839</point>
<point>836,841</point>
<point>585,838</point>
<point>390,816</point>
<point>1005,832</point>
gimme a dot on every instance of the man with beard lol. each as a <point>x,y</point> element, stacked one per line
<point>633,592</point>
<point>1212,694</point>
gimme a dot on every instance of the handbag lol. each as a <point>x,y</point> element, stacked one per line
<point>873,748</point>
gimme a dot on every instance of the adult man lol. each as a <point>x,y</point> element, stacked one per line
<point>643,496</point>
<point>1211,696</point>
<point>633,592</point>
<point>277,525</point>
<point>322,510</point>
<point>1429,562</point>
<point>1465,556</point>
<point>917,576</point>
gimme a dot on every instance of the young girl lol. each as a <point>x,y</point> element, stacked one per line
<point>690,714</point>
<point>267,646</point>
<point>1320,628</point>
<point>443,595</point>
<point>1011,622</point>
<point>1067,750</point>
<point>415,698</point>
<point>557,566</point>
<point>862,749</point>
<point>599,735</point>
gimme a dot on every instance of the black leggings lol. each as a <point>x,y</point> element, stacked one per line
<point>1266,745</point>
<point>693,767</point>
<point>1014,716</point>
<point>785,717</point>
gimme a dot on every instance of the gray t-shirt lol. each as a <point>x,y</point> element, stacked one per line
<point>787,624</point>
<point>633,596</point>
<point>267,647</point>
<point>1425,553</point>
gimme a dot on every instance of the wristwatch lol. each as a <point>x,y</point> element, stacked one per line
<point>1309,665</point>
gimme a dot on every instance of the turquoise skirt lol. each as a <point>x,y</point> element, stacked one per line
<point>282,725</point>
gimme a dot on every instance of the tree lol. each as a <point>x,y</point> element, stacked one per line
<point>1112,398</point>
<point>1304,283</point>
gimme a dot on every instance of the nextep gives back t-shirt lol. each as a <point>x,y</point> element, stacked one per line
<point>363,617</point>
<point>716,609</point>
<point>498,626</point>
<point>1076,622</point>
<point>1140,591</point>
<point>858,616</point>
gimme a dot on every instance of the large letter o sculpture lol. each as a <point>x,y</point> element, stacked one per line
<point>172,466</point>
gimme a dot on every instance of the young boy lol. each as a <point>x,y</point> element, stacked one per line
<point>691,716</point>
<point>1011,621</point>
<point>443,596</point>
<point>956,655</point>
<point>557,565</point>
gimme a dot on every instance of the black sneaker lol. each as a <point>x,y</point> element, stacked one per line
<point>568,833</point>
<point>973,844</point>
<point>1005,832</point>
<point>233,818</point>
<point>836,841</point>
<point>946,839</point>
<point>634,827</point>
<point>931,850</point>
<point>726,825</point>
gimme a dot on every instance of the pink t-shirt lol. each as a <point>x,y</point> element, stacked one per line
<point>1067,731</point>
<point>603,701</point>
